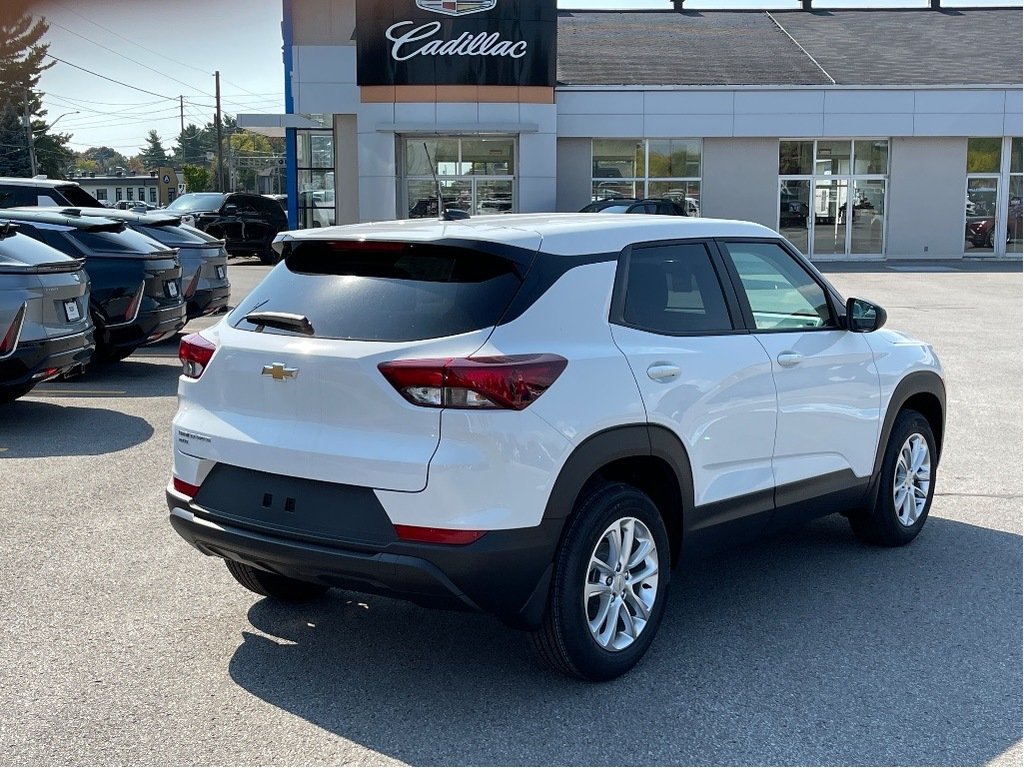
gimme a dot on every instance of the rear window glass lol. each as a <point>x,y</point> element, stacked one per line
<point>386,291</point>
<point>75,195</point>
<point>126,241</point>
<point>20,248</point>
<point>171,235</point>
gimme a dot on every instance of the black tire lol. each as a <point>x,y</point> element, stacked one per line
<point>273,584</point>
<point>10,394</point>
<point>106,354</point>
<point>268,255</point>
<point>564,642</point>
<point>880,523</point>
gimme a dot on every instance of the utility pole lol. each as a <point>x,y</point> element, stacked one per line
<point>220,139</point>
<point>28,133</point>
<point>181,108</point>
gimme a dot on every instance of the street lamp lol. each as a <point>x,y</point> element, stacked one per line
<point>48,127</point>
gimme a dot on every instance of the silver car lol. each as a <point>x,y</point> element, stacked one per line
<point>45,328</point>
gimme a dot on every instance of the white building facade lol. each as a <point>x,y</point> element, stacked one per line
<point>851,146</point>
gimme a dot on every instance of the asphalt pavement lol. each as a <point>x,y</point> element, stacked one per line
<point>119,644</point>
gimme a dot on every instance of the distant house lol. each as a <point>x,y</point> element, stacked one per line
<point>158,187</point>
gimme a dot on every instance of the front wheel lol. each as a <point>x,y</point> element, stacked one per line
<point>906,485</point>
<point>273,584</point>
<point>608,588</point>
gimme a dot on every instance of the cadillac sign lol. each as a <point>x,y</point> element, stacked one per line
<point>456,42</point>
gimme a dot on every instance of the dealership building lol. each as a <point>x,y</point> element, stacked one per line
<point>858,134</point>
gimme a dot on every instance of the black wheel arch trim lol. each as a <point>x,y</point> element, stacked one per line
<point>916,383</point>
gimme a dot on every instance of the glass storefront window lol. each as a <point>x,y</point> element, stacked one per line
<point>984,155</point>
<point>832,195</point>
<point>796,158</point>
<point>476,173</point>
<point>618,158</point>
<point>871,157</point>
<point>673,158</point>
<point>314,152</point>
<point>661,168</point>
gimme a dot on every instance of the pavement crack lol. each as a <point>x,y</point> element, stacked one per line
<point>984,495</point>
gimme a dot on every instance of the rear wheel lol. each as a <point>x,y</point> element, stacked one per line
<point>609,586</point>
<point>905,488</point>
<point>273,584</point>
<point>267,254</point>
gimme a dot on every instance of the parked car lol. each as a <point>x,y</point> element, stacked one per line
<point>135,295</point>
<point>316,207</point>
<point>661,207</point>
<point>45,330</point>
<point>539,415</point>
<point>203,258</point>
<point>246,223</point>
<point>981,231</point>
<point>40,191</point>
<point>133,205</point>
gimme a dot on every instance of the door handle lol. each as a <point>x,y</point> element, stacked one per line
<point>789,359</point>
<point>663,372</point>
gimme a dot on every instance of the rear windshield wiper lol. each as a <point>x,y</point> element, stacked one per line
<point>286,321</point>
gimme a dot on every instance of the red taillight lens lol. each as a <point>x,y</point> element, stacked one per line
<point>10,339</point>
<point>133,306</point>
<point>436,535</point>
<point>186,488</point>
<point>195,352</point>
<point>478,382</point>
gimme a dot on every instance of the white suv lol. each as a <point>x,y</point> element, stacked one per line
<point>538,416</point>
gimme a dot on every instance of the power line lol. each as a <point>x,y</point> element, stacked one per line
<point>110,79</point>
<point>123,56</point>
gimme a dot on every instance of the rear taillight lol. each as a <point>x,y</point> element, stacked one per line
<point>195,352</point>
<point>436,535</point>
<point>10,339</point>
<point>185,488</point>
<point>133,306</point>
<point>478,382</point>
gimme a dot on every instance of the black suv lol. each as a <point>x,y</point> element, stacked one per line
<point>136,295</point>
<point>661,207</point>
<point>246,223</point>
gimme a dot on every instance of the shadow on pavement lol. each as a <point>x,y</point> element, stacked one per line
<point>807,649</point>
<point>129,378</point>
<point>38,428</point>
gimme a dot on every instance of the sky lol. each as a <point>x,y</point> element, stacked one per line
<point>172,48</point>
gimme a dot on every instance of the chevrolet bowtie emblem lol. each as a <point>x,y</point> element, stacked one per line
<point>280,372</point>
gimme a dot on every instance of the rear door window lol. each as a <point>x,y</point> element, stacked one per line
<point>387,291</point>
<point>673,289</point>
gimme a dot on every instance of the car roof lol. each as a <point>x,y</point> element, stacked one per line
<point>62,217</point>
<point>50,183</point>
<point>555,233</point>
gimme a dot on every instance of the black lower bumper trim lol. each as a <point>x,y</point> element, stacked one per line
<point>148,328</point>
<point>31,360</point>
<point>504,573</point>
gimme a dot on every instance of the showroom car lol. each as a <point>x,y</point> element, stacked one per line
<point>45,330</point>
<point>135,296</point>
<point>539,416</point>
<point>247,223</point>
<point>203,258</point>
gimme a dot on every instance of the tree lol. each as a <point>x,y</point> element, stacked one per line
<point>153,155</point>
<point>196,179</point>
<point>21,63</point>
<point>53,158</point>
<point>193,144</point>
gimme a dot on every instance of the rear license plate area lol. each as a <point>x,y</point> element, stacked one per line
<point>172,288</point>
<point>71,311</point>
<point>222,272</point>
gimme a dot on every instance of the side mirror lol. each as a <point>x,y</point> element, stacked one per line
<point>230,209</point>
<point>862,316</point>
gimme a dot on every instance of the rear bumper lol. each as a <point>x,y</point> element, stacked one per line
<point>505,573</point>
<point>38,360</point>
<point>148,328</point>
<point>208,301</point>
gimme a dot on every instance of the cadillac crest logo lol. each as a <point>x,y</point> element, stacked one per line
<point>456,7</point>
